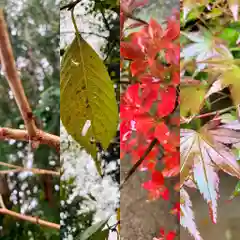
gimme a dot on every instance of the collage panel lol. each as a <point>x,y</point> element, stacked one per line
<point>149,116</point>
<point>29,120</point>
<point>210,120</point>
<point>119,119</point>
<point>89,109</point>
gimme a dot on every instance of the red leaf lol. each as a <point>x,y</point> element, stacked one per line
<point>175,80</point>
<point>170,236</point>
<point>172,165</point>
<point>130,51</point>
<point>173,29</point>
<point>145,125</point>
<point>154,29</point>
<point>138,66</point>
<point>162,132</point>
<point>157,178</point>
<point>155,187</point>
<point>167,102</point>
<point>148,79</point>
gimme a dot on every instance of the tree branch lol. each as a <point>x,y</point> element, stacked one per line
<point>139,162</point>
<point>21,169</point>
<point>34,220</point>
<point>71,5</point>
<point>22,135</point>
<point>11,73</point>
<point>183,120</point>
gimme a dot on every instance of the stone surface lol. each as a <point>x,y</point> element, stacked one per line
<point>141,220</point>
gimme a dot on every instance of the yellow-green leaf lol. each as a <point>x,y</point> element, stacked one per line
<point>192,98</point>
<point>118,219</point>
<point>231,78</point>
<point>88,105</point>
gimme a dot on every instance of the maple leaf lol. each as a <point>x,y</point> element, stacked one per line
<point>201,153</point>
<point>172,164</point>
<point>205,46</point>
<point>227,133</point>
<point>166,236</point>
<point>234,7</point>
<point>231,78</point>
<point>156,186</point>
<point>187,216</point>
<point>188,5</point>
<point>192,99</point>
<point>164,99</point>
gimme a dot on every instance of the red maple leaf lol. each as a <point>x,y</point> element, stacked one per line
<point>163,236</point>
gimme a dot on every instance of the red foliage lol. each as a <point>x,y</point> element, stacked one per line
<point>169,236</point>
<point>148,105</point>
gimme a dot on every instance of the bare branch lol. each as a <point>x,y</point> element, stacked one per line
<point>22,135</point>
<point>71,5</point>
<point>33,170</point>
<point>34,220</point>
<point>9,67</point>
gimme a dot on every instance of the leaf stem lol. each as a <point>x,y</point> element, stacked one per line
<point>215,112</point>
<point>212,113</point>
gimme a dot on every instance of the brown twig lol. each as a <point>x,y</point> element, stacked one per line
<point>138,163</point>
<point>211,113</point>
<point>22,135</point>
<point>34,220</point>
<point>21,169</point>
<point>11,73</point>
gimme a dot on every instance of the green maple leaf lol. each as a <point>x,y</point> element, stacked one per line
<point>204,48</point>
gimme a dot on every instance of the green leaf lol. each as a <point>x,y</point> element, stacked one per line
<point>230,35</point>
<point>205,46</point>
<point>192,98</point>
<point>93,229</point>
<point>231,78</point>
<point>235,26</point>
<point>88,105</point>
<point>101,235</point>
<point>236,191</point>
